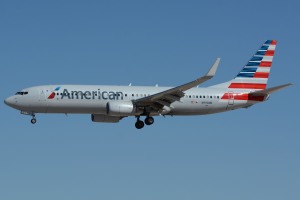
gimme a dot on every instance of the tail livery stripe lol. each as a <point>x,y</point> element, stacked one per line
<point>245,97</point>
<point>247,85</point>
<point>255,73</point>
<point>265,64</point>
<point>261,75</point>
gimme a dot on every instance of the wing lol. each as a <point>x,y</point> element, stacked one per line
<point>165,98</point>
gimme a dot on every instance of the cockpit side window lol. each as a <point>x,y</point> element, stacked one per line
<point>21,93</point>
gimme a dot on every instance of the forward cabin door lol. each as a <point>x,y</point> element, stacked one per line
<point>42,95</point>
<point>42,101</point>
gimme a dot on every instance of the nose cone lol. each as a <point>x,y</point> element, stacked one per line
<point>9,101</point>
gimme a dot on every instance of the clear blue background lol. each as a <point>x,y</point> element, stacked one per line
<point>245,154</point>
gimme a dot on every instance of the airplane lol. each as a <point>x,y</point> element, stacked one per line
<point>112,103</point>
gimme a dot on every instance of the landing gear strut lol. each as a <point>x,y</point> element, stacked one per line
<point>139,124</point>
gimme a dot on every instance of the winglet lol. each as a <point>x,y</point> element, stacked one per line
<point>213,69</point>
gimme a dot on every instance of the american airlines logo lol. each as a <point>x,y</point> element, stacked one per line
<point>52,95</point>
<point>96,94</point>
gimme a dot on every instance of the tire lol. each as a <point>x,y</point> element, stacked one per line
<point>149,120</point>
<point>33,121</point>
<point>139,124</point>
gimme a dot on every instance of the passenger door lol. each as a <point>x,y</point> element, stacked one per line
<point>230,100</point>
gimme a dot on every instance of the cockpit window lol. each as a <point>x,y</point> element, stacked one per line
<point>21,93</point>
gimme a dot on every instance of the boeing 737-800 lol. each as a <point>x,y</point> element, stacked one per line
<point>112,103</point>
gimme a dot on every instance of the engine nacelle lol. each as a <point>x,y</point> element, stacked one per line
<point>105,118</point>
<point>120,108</point>
<point>165,110</point>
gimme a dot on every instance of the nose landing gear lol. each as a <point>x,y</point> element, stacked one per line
<point>33,120</point>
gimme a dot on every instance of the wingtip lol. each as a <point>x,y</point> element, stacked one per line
<point>214,68</point>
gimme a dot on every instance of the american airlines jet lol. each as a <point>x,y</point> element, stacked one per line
<point>112,103</point>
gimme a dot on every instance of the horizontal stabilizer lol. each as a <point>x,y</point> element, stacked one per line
<point>269,91</point>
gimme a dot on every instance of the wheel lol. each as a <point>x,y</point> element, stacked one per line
<point>149,120</point>
<point>139,124</point>
<point>33,121</point>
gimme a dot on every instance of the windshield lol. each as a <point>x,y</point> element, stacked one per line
<point>21,93</point>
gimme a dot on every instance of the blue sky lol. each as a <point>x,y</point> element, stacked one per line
<point>245,154</point>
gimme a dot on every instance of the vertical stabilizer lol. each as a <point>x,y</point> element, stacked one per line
<point>255,74</point>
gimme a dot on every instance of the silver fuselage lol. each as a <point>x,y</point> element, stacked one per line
<point>93,99</point>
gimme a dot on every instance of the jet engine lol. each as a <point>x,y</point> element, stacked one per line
<point>120,108</point>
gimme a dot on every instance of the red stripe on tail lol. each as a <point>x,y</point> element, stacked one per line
<point>247,85</point>
<point>265,64</point>
<point>269,53</point>
<point>261,75</point>
<point>274,42</point>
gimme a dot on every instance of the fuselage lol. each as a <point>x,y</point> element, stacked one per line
<point>93,99</point>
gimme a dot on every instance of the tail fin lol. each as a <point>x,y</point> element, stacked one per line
<point>255,74</point>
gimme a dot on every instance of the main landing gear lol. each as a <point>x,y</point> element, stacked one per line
<point>140,124</point>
